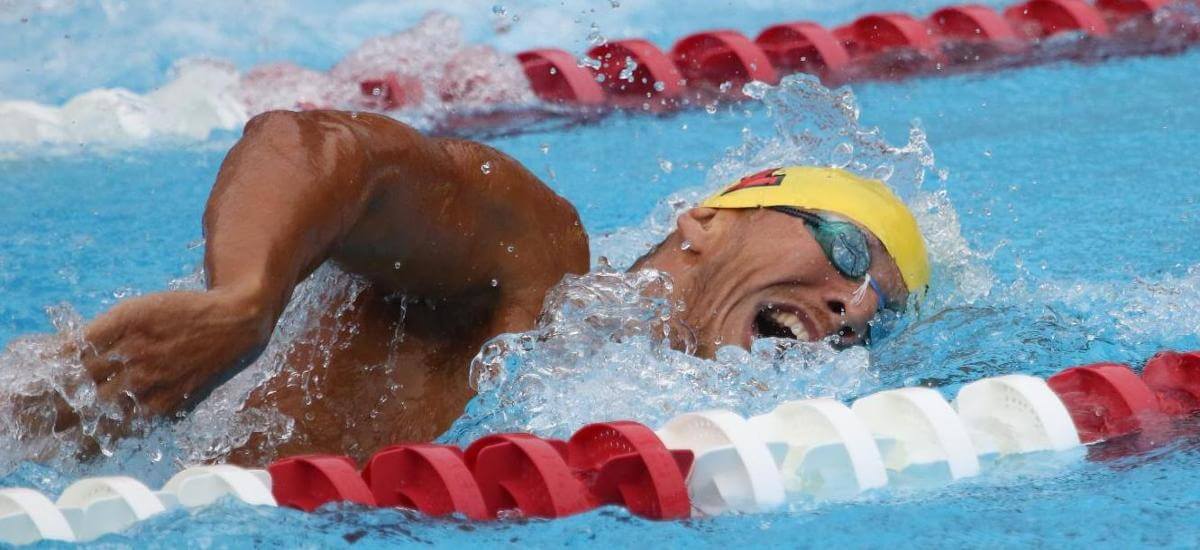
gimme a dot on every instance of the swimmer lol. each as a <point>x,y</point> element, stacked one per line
<point>474,241</point>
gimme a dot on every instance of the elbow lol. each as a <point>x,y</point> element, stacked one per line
<point>272,123</point>
<point>310,135</point>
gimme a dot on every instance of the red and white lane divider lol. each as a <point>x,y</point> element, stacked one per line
<point>705,463</point>
<point>635,74</point>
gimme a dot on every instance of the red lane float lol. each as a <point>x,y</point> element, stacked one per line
<point>804,47</point>
<point>391,92</point>
<point>971,23</point>
<point>620,463</point>
<point>890,45</point>
<point>713,58</point>
<point>635,72</point>
<point>1119,10</point>
<point>1106,400</point>
<point>530,475</point>
<point>971,33</point>
<point>309,481</point>
<point>1037,19</point>
<point>1175,379</point>
<point>432,479</point>
<point>556,77</point>
<point>877,32</point>
<point>626,463</point>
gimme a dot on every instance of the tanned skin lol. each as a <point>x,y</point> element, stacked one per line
<point>453,254</point>
<point>416,216</point>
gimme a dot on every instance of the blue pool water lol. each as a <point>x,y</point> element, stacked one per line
<point>1075,193</point>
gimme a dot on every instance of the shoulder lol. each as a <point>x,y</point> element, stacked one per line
<point>549,233</point>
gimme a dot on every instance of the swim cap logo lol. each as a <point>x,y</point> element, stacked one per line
<point>766,178</point>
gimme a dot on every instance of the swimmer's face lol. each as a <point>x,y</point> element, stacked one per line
<point>756,273</point>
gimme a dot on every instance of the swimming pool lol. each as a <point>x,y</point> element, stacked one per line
<point>1070,182</point>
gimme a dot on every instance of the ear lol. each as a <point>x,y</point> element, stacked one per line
<point>700,228</point>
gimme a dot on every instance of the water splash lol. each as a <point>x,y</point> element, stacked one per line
<point>609,346</point>
<point>439,75</point>
<point>201,97</point>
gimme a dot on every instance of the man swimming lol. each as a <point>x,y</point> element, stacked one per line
<point>804,253</point>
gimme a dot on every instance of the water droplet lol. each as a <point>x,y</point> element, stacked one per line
<point>553,70</point>
<point>545,148</point>
<point>614,3</point>
<point>842,155</point>
<point>594,36</point>
<point>659,85</point>
<point>755,89</point>
<point>499,10</point>
<point>711,108</point>
<point>627,71</point>
<point>510,248</point>
<point>686,245</point>
<point>589,62</point>
<point>987,153</point>
<point>599,78</point>
<point>725,86</point>
<point>495,283</point>
<point>397,265</point>
<point>486,167</point>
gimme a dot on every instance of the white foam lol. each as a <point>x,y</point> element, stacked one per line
<point>198,101</point>
<point>442,74</point>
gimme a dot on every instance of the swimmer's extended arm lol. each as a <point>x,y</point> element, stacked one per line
<point>423,216</point>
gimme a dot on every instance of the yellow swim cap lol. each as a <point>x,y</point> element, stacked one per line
<point>868,202</point>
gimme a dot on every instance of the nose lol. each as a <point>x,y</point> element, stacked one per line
<point>850,316</point>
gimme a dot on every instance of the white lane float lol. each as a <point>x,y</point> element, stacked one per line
<point>98,506</point>
<point>27,516</point>
<point>735,470</point>
<point>202,485</point>
<point>919,432</point>
<point>830,452</point>
<point>1012,414</point>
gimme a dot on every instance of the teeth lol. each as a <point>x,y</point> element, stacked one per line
<point>792,322</point>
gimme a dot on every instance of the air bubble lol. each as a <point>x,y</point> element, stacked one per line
<point>486,167</point>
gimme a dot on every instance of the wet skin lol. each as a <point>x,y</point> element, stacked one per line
<point>417,217</point>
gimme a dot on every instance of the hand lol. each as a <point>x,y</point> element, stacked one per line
<point>159,352</point>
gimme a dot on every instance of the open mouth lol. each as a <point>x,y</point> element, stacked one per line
<point>774,322</point>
